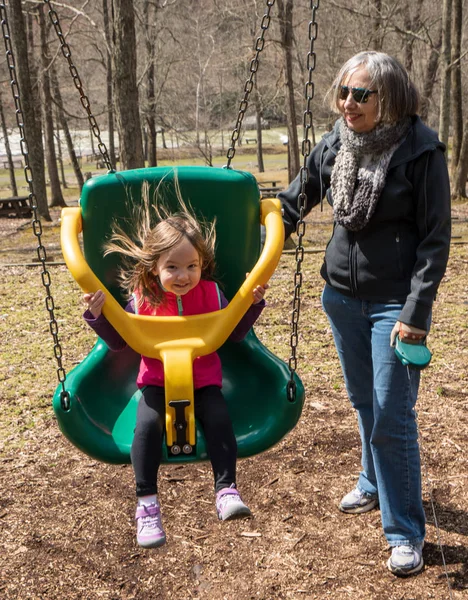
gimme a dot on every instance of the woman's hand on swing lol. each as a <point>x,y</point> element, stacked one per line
<point>95,302</point>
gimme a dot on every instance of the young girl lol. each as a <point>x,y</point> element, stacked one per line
<point>171,269</point>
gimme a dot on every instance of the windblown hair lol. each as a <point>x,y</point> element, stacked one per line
<point>397,95</point>
<point>157,230</point>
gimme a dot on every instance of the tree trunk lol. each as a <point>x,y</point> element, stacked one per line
<point>59,151</point>
<point>51,156</point>
<point>125,85</point>
<point>377,25</point>
<point>150,96</point>
<point>91,142</point>
<point>34,67</point>
<point>110,98</point>
<point>430,76</point>
<point>461,174</point>
<point>63,123</point>
<point>11,166</point>
<point>258,115</point>
<point>444,114</point>
<point>456,83</point>
<point>32,127</point>
<point>285,11</point>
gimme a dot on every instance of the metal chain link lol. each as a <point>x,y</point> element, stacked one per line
<point>36,222</point>
<point>66,51</point>
<point>259,45</point>
<point>302,201</point>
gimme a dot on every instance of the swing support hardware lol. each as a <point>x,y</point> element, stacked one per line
<point>180,426</point>
<point>177,340</point>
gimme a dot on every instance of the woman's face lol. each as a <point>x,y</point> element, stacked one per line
<point>361,117</point>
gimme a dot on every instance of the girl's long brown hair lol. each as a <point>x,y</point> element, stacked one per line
<point>156,230</point>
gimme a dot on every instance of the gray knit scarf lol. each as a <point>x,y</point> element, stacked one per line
<point>360,169</point>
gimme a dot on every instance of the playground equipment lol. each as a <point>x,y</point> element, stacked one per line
<point>95,404</point>
<point>100,415</point>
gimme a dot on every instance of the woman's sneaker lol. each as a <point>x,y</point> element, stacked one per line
<point>406,560</point>
<point>150,533</point>
<point>229,504</point>
<point>358,502</point>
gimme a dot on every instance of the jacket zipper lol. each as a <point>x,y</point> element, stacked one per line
<point>353,267</point>
<point>180,308</point>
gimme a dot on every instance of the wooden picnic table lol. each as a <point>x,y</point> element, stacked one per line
<point>15,206</point>
<point>269,189</point>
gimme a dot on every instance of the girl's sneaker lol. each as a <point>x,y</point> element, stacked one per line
<point>229,504</point>
<point>150,533</point>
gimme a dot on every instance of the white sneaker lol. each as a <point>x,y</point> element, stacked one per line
<point>229,504</point>
<point>150,533</point>
<point>406,560</point>
<point>358,502</point>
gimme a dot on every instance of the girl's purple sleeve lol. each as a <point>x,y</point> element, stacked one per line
<point>247,321</point>
<point>105,330</point>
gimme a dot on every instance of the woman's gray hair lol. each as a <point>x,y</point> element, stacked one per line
<point>397,95</point>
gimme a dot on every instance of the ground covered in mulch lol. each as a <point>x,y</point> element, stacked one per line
<point>66,521</point>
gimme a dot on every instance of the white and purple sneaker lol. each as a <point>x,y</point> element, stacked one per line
<point>150,533</point>
<point>229,504</point>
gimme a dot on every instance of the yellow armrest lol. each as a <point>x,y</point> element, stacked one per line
<point>201,334</point>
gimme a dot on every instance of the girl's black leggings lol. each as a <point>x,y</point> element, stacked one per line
<point>212,413</point>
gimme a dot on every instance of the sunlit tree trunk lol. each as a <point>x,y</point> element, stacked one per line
<point>51,156</point>
<point>429,78</point>
<point>444,114</point>
<point>148,21</point>
<point>461,174</point>
<point>377,25</point>
<point>125,85</point>
<point>456,85</point>
<point>285,12</point>
<point>63,124</point>
<point>109,92</point>
<point>11,166</point>
<point>29,107</point>
<point>258,121</point>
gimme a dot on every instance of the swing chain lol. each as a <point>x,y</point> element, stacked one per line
<point>302,201</point>
<point>66,51</point>
<point>36,222</point>
<point>254,63</point>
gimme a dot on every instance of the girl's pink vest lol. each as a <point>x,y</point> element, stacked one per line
<point>204,298</point>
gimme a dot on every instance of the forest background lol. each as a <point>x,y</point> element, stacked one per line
<point>159,74</point>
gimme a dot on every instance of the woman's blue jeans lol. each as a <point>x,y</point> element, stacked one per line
<point>384,393</point>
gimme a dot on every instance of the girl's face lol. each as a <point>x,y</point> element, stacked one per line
<point>179,269</point>
<point>361,116</point>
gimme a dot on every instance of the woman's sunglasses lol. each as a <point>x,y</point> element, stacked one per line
<point>360,95</point>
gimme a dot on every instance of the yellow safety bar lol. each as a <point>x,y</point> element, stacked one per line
<point>177,340</point>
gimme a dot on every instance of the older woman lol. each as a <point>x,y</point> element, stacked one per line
<point>384,173</point>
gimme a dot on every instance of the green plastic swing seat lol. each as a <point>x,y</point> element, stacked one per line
<point>101,417</point>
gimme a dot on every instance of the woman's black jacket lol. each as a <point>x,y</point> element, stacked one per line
<point>400,256</point>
